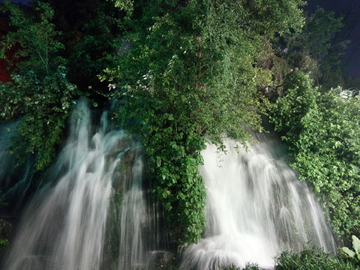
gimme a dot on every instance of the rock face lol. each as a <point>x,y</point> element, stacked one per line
<point>162,260</point>
<point>5,228</point>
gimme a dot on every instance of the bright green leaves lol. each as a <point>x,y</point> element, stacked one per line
<point>311,259</point>
<point>171,117</point>
<point>356,246</point>
<point>39,95</point>
<point>42,109</point>
<point>172,147</point>
<point>126,5</point>
<point>320,129</point>
<point>179,186</point>
<point>37,39</point>
<point>298,101</point>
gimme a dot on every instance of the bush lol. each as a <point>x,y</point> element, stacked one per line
<point>312,259</point>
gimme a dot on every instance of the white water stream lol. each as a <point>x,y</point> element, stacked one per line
<point>256,208</point>
<point>64,226</point>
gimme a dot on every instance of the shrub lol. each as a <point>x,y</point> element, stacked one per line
<point>312,259</point>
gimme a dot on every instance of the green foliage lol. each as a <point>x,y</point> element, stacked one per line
<point>299,98</point>
<point>313,50</point>
<point>43,107</point>
<point>189,74</point>
<point>355,253</point>
<point>94,49</point>
<point>4,243</point>
<point>311,259</point>
<point>126,5</point>
<point>39,94</point>
<point>251,266</point>
<point>90,35</point>
<point>36,38</point>
<point>321,130</point>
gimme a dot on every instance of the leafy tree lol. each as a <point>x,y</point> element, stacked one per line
<point>189,77</point>
<point>5,67</point>
<point>39,94</point>
<point>90,35</point>
<point>321,130</point>
<point>289,110</point>
<point>315,50</point>
<point>349,11</point>
<point>95,49</point>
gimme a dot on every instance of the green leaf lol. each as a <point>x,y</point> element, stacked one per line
<point>356,244</point>
<point>348,252</point>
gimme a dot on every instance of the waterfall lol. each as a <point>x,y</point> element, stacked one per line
<point>95,209</point>
<point>256,208</point>
<point>65,226</point>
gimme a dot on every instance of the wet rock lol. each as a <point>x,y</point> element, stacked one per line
<point>162,260</point>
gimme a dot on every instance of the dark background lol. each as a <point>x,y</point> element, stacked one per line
<point>350,9</point>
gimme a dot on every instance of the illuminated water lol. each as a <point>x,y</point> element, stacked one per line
<point>256,208</point>
<point>65,225</point>
<point>96,212</point>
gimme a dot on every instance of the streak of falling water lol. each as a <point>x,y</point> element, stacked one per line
<point>133,253</point>
<point>256,208</point>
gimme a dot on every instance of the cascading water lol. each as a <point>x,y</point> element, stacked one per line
<point>94,212</point>
<point>256,208</point>
<point>65,225</point>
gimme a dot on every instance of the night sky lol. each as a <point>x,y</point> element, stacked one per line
<point>350,8</point>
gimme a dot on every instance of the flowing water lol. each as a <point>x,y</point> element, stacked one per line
<point>256,208</point>
<point>65,225</point>
<point>95,213</point>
